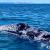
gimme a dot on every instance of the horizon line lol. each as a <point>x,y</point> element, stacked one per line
<point>21,3</point>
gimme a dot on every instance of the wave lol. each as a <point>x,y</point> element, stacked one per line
<point>9,18</point>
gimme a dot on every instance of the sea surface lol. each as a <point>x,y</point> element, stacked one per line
<point>36,15</point>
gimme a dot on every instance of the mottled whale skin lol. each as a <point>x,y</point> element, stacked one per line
<point>27,32</point>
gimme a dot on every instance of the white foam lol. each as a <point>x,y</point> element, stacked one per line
<point>43,45</point>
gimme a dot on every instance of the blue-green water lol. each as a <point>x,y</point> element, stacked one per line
<point>33,14</point>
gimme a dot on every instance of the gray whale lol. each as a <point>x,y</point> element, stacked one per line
<point>25,31</point>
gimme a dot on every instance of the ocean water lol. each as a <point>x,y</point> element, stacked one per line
<point>36,15</point>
